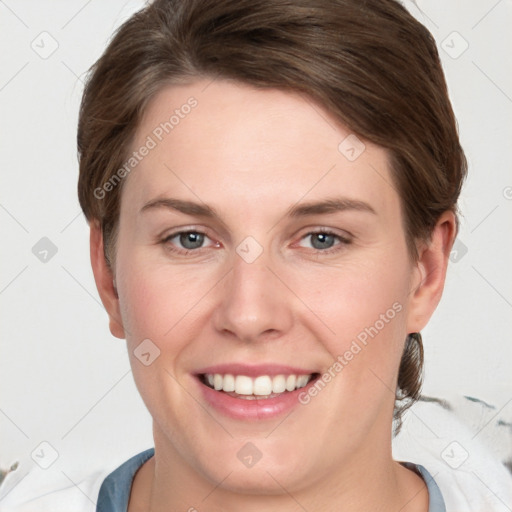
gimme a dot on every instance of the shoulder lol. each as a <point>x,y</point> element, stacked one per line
<point>468,475</point>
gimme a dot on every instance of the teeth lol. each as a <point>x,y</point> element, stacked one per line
<point>228,383</point>
<point>263,385</point>
<point>243,385</point>
<point>302,381</point>
<point>278,384</point>
<point>291,381</point>
<point>217,382</point>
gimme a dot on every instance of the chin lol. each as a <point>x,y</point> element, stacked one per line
<point>243,468</point>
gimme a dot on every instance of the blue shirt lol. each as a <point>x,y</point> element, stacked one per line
<point>115,490</point>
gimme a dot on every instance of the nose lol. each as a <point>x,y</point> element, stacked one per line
<point>254,304</point>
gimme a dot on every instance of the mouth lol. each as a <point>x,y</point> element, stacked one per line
<point>260,387</point>
<point>254,392</point>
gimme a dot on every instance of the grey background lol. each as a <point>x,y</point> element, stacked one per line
<point>64,379</point>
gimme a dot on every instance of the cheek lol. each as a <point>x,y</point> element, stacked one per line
<point>365,312</point>
<point>157,300</point>
<point>353,296</point>
<point>362,312</point>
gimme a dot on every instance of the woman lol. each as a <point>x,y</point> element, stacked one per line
<point>281,180</point>
<point>271,189</point>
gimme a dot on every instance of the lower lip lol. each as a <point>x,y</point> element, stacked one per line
<point>251,410</point>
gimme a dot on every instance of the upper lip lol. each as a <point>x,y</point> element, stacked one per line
<point>270,369</point>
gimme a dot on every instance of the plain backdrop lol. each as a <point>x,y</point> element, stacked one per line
<point>63,378</point>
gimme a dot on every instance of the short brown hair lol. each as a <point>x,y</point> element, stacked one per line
<point>370,64</point>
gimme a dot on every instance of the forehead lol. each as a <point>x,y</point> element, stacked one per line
<point>222,141</point>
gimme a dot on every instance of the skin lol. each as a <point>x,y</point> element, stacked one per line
<point>251,155</point>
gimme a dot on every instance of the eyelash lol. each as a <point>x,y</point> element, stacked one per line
<point>342,241</point>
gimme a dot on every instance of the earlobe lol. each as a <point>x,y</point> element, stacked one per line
<point>105,281</point>
<point>430,272</point>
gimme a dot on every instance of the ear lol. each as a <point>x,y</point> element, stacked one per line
<point>105,281</point>
<point>430,272</point>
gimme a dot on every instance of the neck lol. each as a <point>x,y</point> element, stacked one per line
<point>370,480</point>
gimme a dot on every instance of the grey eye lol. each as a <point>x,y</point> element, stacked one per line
<point>322,240</point>
<point>191,239</point>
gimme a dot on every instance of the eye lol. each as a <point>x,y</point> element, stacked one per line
<point>323,240</point>
<point>186,241</point>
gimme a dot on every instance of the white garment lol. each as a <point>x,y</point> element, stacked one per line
<point>48,490</point>
<point>470,479</point>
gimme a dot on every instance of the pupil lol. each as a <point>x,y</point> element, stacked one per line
<point>191,240</point>
<point>322,241</point>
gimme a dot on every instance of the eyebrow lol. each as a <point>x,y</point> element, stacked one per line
<point>300,210</point>
<point>338,204</point>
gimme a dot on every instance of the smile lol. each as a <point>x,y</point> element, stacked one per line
<point>253,392</point>
<point>255,388</point>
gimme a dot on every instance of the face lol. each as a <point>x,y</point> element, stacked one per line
<point>257,256</point>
